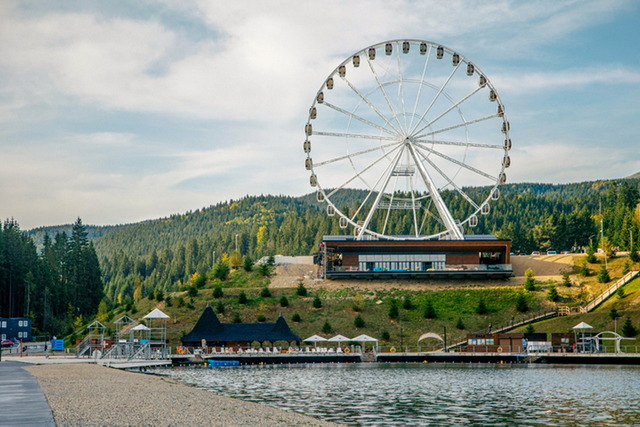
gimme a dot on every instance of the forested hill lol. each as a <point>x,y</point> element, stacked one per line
<point>164,253</point>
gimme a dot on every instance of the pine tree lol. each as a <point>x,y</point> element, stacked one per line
<point>284,302</point>
<point>393,310</point>
<point>529,281</point>
<point>603,275</point>
<point>553,295</point>
<point>429,311</point>
<point>628,330</point>
<point>482,308</point>
<point>521,303</point>
<point>242,298</point>
<point>301,290</point>
<point>317,303</point>
<point>358,322</point>
<point>460,324</point>
<point>326,328</point>
<point>217,292</point>
<point>265,293</point>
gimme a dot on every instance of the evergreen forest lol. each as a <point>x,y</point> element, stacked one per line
<point>58,275</point>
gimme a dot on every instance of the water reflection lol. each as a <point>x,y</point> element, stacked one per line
<point>416,394</point>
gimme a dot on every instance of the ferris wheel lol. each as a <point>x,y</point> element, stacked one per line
<point>407,139</point>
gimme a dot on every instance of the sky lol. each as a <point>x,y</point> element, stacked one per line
<point>122,111</point>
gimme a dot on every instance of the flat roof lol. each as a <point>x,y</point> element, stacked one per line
<point>345,238</point>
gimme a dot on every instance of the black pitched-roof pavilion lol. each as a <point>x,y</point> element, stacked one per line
<point>209,328</point>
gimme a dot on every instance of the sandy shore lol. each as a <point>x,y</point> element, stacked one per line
<point>93,395</point>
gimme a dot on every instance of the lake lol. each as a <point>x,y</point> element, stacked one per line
<point>421,394</point>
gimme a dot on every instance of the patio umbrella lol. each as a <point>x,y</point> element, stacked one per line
<point>315,339</point>
<point>339,338</point>
<point>365,339</point>
<point>582,325</point>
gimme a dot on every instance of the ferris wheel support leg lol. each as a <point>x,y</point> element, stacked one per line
<point>445,215</point>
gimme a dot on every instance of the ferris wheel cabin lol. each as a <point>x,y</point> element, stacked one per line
<point>477,256</point>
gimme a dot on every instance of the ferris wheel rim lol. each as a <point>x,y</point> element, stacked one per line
<point>339,71</point>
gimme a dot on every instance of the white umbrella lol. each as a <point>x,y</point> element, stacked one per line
<point>583,325</point>
<point>315,339</point>
<point>339,338</point>
<point>365,339</point>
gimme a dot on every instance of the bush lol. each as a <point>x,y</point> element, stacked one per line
<point>217,292</point>
<point>160,295</point>
<point>317,303</point>
<point>393,310</point>
<point>167,301</point>
<point>180,301</point>
<point>613,313</point>
<point>482,308</point>
<point>284,302</point>
<point>626,267</point>
<point>603,275</point>
<point>358,322</point>
<point>296,318</point>
<point>151,296</point>
<point>566,278</point>
<point>591,256</point>
<point>265,270</point>
<point>326,328</point>
<point>530,329</point>
<point>236,318</point>
<point>220,307</point>
<point>221,270</point>
<point>358,303</point>
<point>192,291</point>
<point>529,281</point>
<point>628,330</point>
<point>521,303</point>
<point>261,318</point>
<point>620,293</point>
<point>385,336</point>
<point>553,295</point>
<point>407,304</point>
<point>242,298</point>
<point>429,311</point>
<point>584,269</point>
<point>247,264</point>
<point>265,293</point>
<point>634,256</point>
<point>301,290</point>
<point>460,324</point>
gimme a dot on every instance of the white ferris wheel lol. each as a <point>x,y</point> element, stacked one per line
<point>411,126</point>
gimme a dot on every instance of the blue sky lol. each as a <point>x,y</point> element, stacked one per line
<point>122,111</point>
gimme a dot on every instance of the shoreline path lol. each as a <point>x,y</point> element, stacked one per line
<point>82,394</point>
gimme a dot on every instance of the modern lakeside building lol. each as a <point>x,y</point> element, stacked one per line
<point>477,256</point>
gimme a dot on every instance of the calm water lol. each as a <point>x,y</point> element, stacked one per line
<point>416,394</point>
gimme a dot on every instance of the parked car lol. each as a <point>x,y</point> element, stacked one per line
<point>8,343</point>
<point>535,253</point>
<point>552,253</point>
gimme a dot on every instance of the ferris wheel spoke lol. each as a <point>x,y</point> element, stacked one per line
<point>459,125</point>
<point>386,217</point>
<point>435,98</point>
<point>438,202</point>
<point>359,153</point>
<point>371,105</point>
<point>355,135</point>
<point>413,209</point>
<point>401,88</point>
<point>459,143</point>
<point>449,180</point>
<point>358,174</point>
<point>457,162</point>
<point>448,110</point>
<point>387,176</point>
<point>384,93</point>
<point>424,72</point>
<point>361,119</point>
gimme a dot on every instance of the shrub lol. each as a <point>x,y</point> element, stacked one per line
<point>566,278</point>
<point>326,328</point>
<point>220,307</point>
<point>284,302</point>
<point>634,256</point>
<point>265,270</point>
<point>261,318</point>
<point>221,270</point>
<point>180,301</point>
<point>358,303</point>
<point>553,295</point>
<point>620,293</point>
<point>192,291</point>
<point>358,322</point>
<point>217,292</point>
<point>584,269</point>
<point>393,310</point>
<point>247,264</point>
<point>521,303</point>
<point>626,267</point>
<point>613,313</point>
<point>628,330</point>
<point>482,308</point>
<point>530,329</point>
<point>198,280</point>
<point>429,311</point>
<point>242,298</point>
<point>317,303</point>
<point>160,295</point>
<point>296,318</point>
<point>591,256</point>
<point>460,324</point>
<point>151,296</point>
<point>385,335</point>
<point>236,318</point>
<point>265,293</point>
<point>301,290</point>
<point>167,301</point>
<point>529,281</point>
<point>407,304</point>
<point>603,274</point>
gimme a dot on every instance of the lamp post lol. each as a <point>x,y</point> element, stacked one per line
<point>236,242</point>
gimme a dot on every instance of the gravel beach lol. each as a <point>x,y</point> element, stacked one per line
<point>93,395</point>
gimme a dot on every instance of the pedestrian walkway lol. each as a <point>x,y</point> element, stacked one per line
<point>22,402</point>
